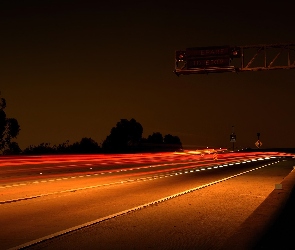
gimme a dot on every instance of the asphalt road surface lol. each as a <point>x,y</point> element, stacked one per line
<point>66,202</point>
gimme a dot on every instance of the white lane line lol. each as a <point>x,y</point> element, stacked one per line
<point>95,174</point>
<point>57,234</point>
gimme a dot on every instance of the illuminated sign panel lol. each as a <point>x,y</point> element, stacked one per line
<point>219,51</point>
<point>210,62</point>
<point>207,57</point>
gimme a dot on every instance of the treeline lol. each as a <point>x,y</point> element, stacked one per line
<point>125,137</point>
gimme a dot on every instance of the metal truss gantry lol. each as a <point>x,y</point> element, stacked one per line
<point>219,59</point>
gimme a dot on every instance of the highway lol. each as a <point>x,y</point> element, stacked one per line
<point>45,196</point>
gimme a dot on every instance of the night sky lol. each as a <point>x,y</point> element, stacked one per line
<point>73,69</point>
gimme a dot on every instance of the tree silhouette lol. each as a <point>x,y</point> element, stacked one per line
<point>13,148</point>
<point>125,137</point>
<point>86,145</point>
<point>170,139</point>
<point>63,148</point>
<point>156,138</point>
<point>156,142</point>
<point>172,142</point>
<point>9,129</point>
<point>42,148</point>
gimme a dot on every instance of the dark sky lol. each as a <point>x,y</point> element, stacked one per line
<point>73,69</point>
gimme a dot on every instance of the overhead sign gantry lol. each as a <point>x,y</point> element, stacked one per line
<point>219,59</point>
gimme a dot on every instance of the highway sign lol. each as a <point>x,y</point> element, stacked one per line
<point>210,62</point>
<point>233,137</point>
<point>258,144</point>
<point>213,51</point>
<point>218,59</point>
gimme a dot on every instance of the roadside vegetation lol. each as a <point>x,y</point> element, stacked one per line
<point>9,130</point>
<point>124,137</point>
